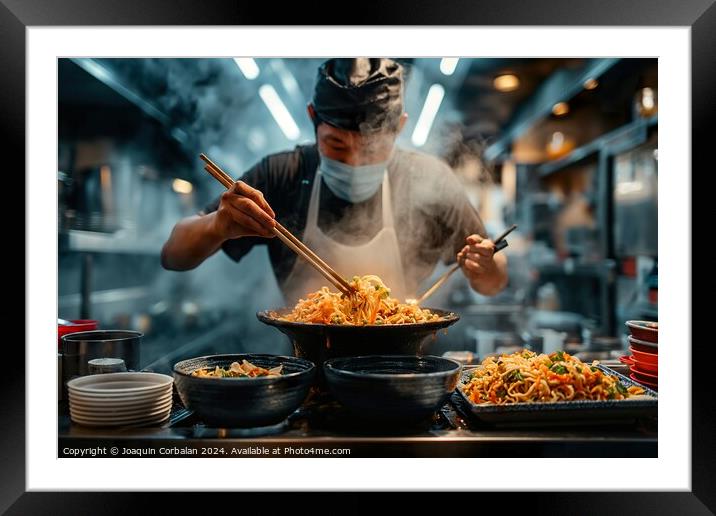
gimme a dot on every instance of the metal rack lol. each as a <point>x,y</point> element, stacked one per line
<point>602,151</point>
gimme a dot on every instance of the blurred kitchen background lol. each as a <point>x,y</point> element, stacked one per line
<point>565,148</point>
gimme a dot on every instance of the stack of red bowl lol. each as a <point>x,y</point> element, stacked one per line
<point>72,327</point>
<point>644,347</point>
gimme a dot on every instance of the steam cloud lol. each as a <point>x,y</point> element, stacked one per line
<point>204,98</point>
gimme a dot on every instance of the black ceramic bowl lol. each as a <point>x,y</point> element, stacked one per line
<point>392,388</point>
<point>320,342</point>
<point>244,402</point>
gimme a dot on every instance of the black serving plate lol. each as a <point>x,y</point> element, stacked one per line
<point>567,413</point>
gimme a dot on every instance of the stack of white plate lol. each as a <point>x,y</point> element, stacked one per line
<point>120,399</point>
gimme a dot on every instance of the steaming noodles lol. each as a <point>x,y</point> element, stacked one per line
<point>369,304</point>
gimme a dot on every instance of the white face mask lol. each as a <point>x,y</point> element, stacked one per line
<point>352,183</point>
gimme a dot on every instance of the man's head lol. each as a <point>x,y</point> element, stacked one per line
<point>357,109</point>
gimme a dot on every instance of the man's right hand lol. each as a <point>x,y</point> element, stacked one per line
<point>243,211</point>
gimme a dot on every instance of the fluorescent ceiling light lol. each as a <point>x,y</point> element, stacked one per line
<point>248,67</point>
<point>427,115</point>
<point>279,112</point>
<point>448,65</point>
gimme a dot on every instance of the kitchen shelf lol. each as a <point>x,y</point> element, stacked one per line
<point>618,140</point>
<point>105,75</point>
<point>96,242</point>
<point>131,296</point>
<point>600,269</point>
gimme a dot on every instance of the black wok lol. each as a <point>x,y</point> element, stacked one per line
<point>320,342</point>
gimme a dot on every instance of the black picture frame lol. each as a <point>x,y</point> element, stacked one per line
<point>699,15</point>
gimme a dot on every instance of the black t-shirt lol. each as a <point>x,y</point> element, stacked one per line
<point>432,214</point>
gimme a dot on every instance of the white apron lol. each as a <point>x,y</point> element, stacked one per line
<point>379,256</point>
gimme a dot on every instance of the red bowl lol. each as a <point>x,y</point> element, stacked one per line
<point>644,357</point>
<point>646,367</point>
<point>77,325</point>
<point>626,359</point>
<point>644,375</point>
<point>643,346</point>
<point>653,386</point>
<point>644,330</point>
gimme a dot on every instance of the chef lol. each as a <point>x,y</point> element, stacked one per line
<point>357,200</point>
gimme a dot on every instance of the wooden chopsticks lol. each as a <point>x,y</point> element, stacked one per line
<point>285,235</point>
<point>500,243</point>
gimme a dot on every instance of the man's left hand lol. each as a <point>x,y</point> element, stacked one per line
<point>486,271</point>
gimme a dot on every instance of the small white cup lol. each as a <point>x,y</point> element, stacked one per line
<point>106,365</point>
<point>552,340</point>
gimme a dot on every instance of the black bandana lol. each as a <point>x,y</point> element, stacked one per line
<point>357,94</point>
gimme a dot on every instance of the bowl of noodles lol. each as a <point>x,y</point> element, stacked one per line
<point>327,324</point>
<point>247,390</point>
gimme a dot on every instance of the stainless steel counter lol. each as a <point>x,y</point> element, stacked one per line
<point>325,427</point>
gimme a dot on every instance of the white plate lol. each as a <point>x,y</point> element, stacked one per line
<point>111,398</point>
<point>119,405</point>
<point>133,414</point>
<point>133,422</point>
<point>119,383</point>
<point>129,422</point>
<point>142,418</point>
<point>128,418</point>
<point>101,398</point>
<point>121,389</point>
<point>132,409</point>
<point>149,422</point>
<point>114,386</point>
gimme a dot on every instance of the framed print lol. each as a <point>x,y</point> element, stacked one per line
<point>289,267</point>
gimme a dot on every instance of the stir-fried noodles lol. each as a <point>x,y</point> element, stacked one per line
<point>528,377</point>
<point>245,369</point>
<point>369,304</point>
